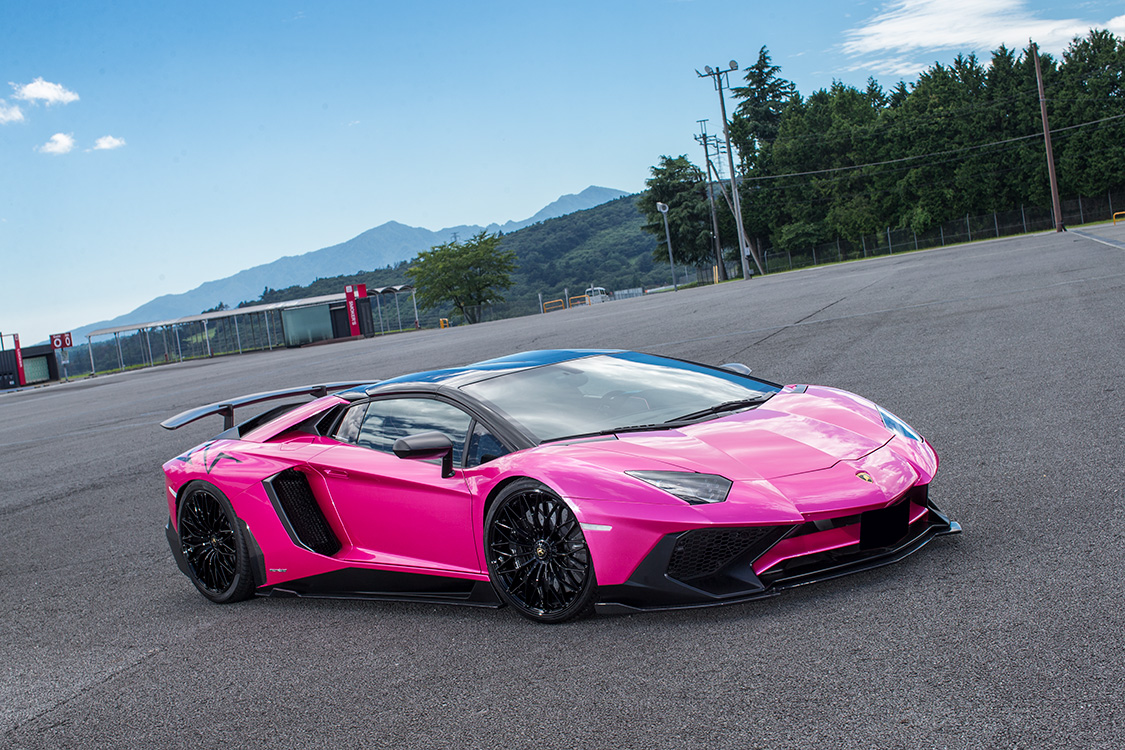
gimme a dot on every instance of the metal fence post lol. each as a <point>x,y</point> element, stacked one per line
<point>1081,218</point>
<point>996,221</point>
<point>1023,218</point>
<point>864,238</point>
<point>941,228</point>
<point>790,257</point>
<point>890,245</point>
<point>839,252</point>
<point>968,229</point>
<point>915,238</point>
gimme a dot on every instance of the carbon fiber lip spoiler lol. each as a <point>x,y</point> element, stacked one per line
<point>226,408</point>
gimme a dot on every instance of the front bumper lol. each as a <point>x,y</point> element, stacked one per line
<point>729,565</point>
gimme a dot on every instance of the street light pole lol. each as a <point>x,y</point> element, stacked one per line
<point>743,249</point>
<point>663,209</point>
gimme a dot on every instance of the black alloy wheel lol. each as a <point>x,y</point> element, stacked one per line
<point>537,556</point>
<point>213,544</point>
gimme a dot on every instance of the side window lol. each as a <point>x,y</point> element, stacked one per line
<point>483,447</point>
<point>348,429</point>
<point>387,420</point>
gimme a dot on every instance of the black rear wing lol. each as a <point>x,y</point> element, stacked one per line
<point>226,408</point>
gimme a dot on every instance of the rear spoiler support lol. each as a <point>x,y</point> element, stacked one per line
<point>226,408</point>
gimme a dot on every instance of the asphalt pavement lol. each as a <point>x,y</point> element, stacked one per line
<point>1008,355</point>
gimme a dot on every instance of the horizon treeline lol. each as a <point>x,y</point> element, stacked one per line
<point>843,162</point>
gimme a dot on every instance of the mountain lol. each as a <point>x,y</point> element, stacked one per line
<point>601,246</point>
<point>383,246</point>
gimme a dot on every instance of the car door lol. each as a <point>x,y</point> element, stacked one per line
<point>398,511</point>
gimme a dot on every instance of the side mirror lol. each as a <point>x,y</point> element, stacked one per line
<point>737,367</point>
<point>427,445</point>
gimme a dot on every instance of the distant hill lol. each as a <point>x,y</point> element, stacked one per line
<point>382,247</point>
<point>601,246</point>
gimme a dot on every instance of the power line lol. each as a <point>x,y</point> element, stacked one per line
<point>934,153</point>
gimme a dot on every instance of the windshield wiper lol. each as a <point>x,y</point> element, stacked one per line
<point>742,403</point>
<point>624,428</point>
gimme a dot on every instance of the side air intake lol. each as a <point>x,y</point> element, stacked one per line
<point>296,506</point>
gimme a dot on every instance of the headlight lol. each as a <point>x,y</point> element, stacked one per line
<point>697,489</point>
<point>896,425</point>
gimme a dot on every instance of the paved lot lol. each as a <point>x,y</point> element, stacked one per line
<point>1008,355</point>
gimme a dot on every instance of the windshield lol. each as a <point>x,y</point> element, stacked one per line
<point>615,392</point>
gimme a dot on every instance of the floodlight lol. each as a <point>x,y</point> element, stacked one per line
<point>733,65</point>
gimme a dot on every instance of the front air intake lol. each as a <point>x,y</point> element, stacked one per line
<point>296,506</point>
<point>704,552</point>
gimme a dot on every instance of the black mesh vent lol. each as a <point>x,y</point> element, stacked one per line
<point>704,552</point>
<point>305,517</point>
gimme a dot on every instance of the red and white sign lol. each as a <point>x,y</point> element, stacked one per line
<point>61,341</point>
<point>19,360</point>
<point>353,293</point>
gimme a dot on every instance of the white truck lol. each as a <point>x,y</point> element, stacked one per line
<point>597,294</point>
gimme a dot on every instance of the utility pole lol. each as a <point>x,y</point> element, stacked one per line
<point>1047,140</point>
<point>743,245</point>
<point>663,209</point>
<point>706,142</point>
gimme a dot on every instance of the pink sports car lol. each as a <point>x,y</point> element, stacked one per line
<point>555,482</point>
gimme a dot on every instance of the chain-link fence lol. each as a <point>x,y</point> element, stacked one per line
<point>221,333</point>
<point>998,224</point>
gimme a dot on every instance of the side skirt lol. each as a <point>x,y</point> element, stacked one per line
<point>382,585</point>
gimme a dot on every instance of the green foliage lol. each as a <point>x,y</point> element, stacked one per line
<point>464,274</point>
<point>763,100</point>
<point>680,185</point>
<point>602,246</point>
<point>963,139</point>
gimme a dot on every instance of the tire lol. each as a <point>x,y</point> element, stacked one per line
<point>213,544</point>
<point>538,559</point>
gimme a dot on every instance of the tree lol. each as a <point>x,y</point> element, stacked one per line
<point>681,186</point>
<point>758,116</point>
<point>464,274</point>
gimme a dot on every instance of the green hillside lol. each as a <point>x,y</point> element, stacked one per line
<point>604,246</point>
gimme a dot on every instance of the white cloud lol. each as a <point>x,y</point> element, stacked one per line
<point>60,143</point>
<point>108,143</point>
<point>45,91</point>
<point>10,113</point>
<point>910,27</point>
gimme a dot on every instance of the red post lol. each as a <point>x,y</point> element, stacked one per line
<point>19,360</point>
<point>353,293</point>
<point>353,310</point>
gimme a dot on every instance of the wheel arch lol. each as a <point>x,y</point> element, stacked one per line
<point>257,556</point>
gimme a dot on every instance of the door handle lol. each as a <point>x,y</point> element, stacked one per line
<point>336,473</point>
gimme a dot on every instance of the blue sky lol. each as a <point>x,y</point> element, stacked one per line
<point>147,147</point>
